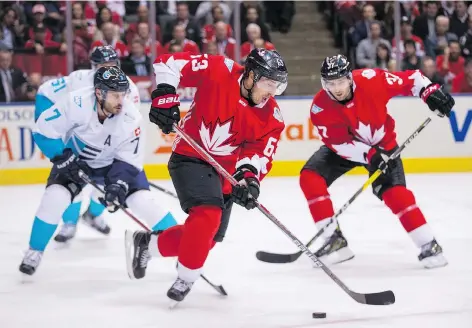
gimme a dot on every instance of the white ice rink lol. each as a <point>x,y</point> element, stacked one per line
<point>86,286</point>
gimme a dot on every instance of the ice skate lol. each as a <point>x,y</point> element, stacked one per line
<point>431,255</point>
<point>96,222</point>
<point>30,262</point>
<point>178,291</point>
<point>335,249</point>
<point>137,252</point>
<point>66,233</point>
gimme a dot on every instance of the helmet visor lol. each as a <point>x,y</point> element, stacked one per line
<point>274,87</point>
<point>336,85</point>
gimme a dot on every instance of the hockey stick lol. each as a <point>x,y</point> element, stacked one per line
<point>164,190</point>
<point>382,298</point>
<point>86,178</point>
<point>288,258</point>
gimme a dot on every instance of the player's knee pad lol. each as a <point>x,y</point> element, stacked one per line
<point>398,198</point>
<point>204,220</point>
<point>312,184</point>
<point>55,200</point>
<point>224,222</point>
<point>146,206</point>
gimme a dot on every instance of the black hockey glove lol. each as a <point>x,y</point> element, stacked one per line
<point>68,164</point>
<point>439,101</point>
<point>114,193</point>
<point>377,159</point>
<point>248,189</point>
<point>165,107</point>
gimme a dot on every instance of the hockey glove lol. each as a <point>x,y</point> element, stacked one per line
<point>114,193</point>
<point>68,165</point>
<point>165,107</point>
<point>377,159</point>
<point>438,101</point>
<point>248,189</point>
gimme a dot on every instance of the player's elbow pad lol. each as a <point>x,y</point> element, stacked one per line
<point>50,147</point>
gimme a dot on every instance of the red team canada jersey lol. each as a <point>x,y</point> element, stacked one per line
<point>219,119</point>
<point>351,129</point>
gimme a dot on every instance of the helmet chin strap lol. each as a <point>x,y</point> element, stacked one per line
<point>249,99</point>
<point>102,104</point>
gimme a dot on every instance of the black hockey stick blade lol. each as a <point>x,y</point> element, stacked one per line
<point>219,288</point>
<point>382,298</point>
<point>277,258</point>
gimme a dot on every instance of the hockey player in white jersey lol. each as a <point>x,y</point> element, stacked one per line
<point>56,90</point>
<point>97,130</point>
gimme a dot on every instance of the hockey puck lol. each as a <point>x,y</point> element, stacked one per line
<point>319,315</point>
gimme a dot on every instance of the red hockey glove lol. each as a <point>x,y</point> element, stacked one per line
<point>165,107</point>
<point>248,189</point>
<point>377,159</point>
<point>438,101</point>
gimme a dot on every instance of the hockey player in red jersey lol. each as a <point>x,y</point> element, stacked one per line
<point>351,116</point>
<point>235,118</point>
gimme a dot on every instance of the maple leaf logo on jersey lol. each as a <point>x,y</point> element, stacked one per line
<point>365,133</point>
<point>217,143</point>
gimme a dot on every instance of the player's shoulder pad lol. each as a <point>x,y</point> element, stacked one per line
<point>81,74</point>
<point>319,102</point>
<point>367,74</point>
<point>131,114</point>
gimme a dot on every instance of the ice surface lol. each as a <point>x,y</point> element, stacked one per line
<point>85,285</point>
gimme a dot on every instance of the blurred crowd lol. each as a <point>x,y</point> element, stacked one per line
<point>38,27</point>
<point>435,37</point>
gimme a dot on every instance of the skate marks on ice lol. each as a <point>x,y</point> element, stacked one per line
<point>87,284</point>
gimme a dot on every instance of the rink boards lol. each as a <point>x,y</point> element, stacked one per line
<point>444,146</point>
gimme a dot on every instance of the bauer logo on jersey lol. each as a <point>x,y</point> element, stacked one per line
<point>229,64</point>
<point>315,109</point>
<point>278,115</point>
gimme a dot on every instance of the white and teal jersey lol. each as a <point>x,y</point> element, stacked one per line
<point>73,123</point>
<point>53,91</point>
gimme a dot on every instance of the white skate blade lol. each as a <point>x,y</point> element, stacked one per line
<point>129,251</point>
<point>433,262</point>
<point>342,255</point>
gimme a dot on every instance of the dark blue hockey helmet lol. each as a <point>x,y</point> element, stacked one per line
<point>104,55</point>
<point>111,78</point>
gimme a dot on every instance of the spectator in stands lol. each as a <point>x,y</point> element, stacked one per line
<point>137,63</point>
<point>451,63</point>
<point>428,68</point>
<point>82,37</point>
<point>254,33</point>
<point>175,47</point>
<point>252,16</point>
<point>143,17</point>
<point>466,40</point>
<point>192,29</point>
<point>209,29</point>
<point>105,15</point>
<point>11,32</point>
<point>406,34</point>
<point>366,52</point>
<point>409,9</point>
<point>424,26</point>
<point>40,43</point>
<point>211,48</point>
<point>39,14</point>
<point>13,80</point>
<point>144,34</point>
<point>78,16</point>
<point>361,29</point>
<point>459,19</point>
<point>225,44</point>
<point>108,31</point>
<point>462,83</point>
<point>435,45</point>
<point>411,60</point>
<point>383,57</point>
<point>205,12</point>
<point>447,8</point>
<point>180,37</point>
